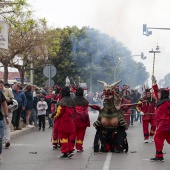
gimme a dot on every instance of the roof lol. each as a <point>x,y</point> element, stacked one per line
<point>11,75</point>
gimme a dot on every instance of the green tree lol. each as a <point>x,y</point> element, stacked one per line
<point>93,55</point>
<point>165,82</point>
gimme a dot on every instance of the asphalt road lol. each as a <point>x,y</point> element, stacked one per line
<point>33,151</point>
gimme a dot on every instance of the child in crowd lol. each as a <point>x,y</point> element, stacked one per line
<point>41,109</point>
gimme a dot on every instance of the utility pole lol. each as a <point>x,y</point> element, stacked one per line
<point>154,51</point>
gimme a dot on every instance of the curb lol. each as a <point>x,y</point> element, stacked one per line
<point>18,133</point>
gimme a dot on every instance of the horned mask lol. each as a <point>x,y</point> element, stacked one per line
<point>109,89</point>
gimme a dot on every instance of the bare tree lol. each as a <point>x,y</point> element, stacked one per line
<point>27,39</point>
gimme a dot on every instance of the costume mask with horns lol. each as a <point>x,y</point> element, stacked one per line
<point>109,89</point>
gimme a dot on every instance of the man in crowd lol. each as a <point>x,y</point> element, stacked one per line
<point>9,96</point>
<point>3,104</point>
<point>22,101</point>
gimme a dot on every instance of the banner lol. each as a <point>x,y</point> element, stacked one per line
<point>3,35</point>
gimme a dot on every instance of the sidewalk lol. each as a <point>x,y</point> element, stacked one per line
<point>17,133</point>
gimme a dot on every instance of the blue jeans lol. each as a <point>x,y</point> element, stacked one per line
<point>48,112</point>
<point>33,117</point>
<point>1,135</point>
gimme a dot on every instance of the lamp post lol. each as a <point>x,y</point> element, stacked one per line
<point>154,52</point>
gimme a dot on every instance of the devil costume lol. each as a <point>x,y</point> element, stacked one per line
<point>125,93</point>
<point>110,125</point>
<point>54,105</point>
<point>65,123</point>
<point>147,109</point>
<point>82,118</point>
<point>162,115</point>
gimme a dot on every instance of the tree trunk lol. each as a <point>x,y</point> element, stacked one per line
<point>22,73</point>
<point>5,77</point>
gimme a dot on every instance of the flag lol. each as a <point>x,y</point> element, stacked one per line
<point>3,35</point>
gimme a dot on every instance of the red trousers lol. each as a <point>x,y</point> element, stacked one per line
<point>146,130</point>
<point>159,138</point>
<point>79,137</point>
<point>66,141</point>
<point>55,137</point>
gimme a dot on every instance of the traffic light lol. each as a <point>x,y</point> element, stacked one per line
<point>145,30</point>
<point>142,56</point>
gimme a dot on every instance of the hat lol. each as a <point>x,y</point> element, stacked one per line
<point>6,84</point>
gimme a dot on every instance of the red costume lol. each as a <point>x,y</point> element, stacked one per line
<point>82,118</point>
<point>126,113</point>
<point>55,139</point>
<point>148,108</point>
<point>162,115</point>
<point>65,123</point>
<point>126,100</point>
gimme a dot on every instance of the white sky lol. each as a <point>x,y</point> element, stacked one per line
<point>122,19</point>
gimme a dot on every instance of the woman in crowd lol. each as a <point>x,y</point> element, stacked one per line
<point>30,101</point>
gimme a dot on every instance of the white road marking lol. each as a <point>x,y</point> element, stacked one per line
<point>107,161</point>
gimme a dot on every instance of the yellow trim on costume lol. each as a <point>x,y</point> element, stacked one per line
<point>58,111</point>
<point>137,108</point>
<point>79,141</point>
<point>63,140</point>
<point>54,141</point>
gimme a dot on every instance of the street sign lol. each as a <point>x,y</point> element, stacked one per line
<point>49,71</point>
<point>49,82</point>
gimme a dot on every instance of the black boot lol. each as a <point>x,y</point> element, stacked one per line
<point>64,156</point>
<point>70,154</point>
<point>157,159</point>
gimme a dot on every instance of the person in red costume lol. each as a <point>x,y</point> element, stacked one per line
<point>65,123</point>
<point>162,115</point>
<point>54,105</point>
<point>48,99</point>
<point>82,118</point>
<point>147,110</point>
<point>125,94</point>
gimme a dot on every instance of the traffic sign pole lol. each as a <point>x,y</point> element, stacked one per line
<point>49,71</point>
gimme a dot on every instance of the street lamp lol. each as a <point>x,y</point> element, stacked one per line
<point>154,51</point>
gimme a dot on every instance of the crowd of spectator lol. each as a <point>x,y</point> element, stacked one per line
<point>24,107</point>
